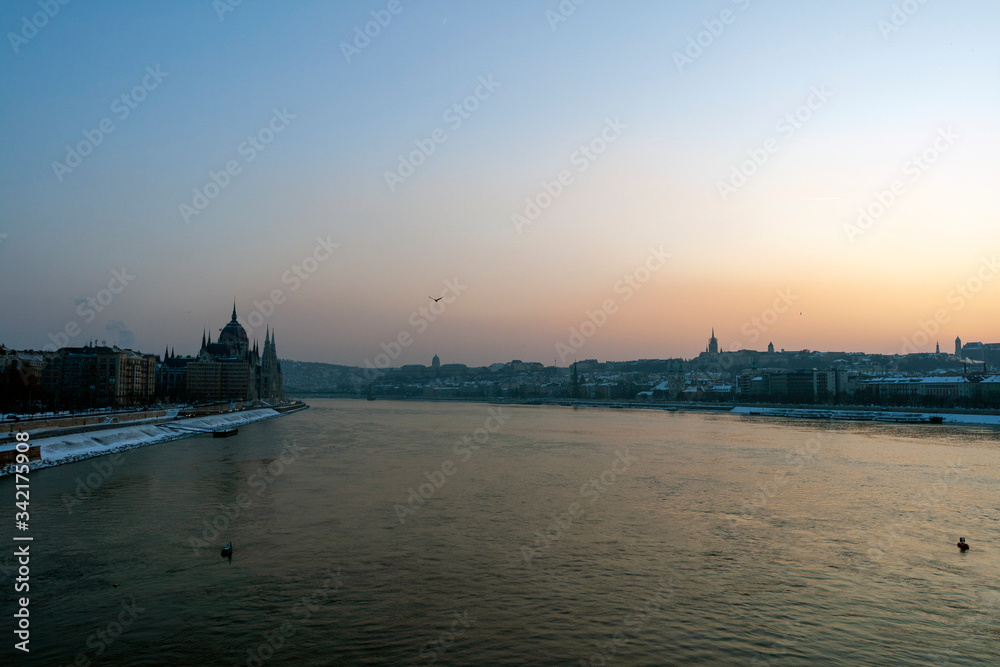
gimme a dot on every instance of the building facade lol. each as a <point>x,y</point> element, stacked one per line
<point>231,370</point>
<point>100,376</point>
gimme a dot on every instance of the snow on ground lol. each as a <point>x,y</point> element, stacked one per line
<point>59,449</point>
<point>872,415</point>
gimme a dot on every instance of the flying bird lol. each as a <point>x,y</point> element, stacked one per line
<point>435,300</point>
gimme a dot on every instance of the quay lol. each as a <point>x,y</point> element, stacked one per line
<point>62,439</point>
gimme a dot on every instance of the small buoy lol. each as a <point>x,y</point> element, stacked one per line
<point>115,584</point>
<point>962,546</point>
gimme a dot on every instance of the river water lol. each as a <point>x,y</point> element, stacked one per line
<point>536,535</point>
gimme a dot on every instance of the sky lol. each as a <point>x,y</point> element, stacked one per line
<point>606,180</point>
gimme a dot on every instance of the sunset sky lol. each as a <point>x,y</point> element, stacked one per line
<point>806,113</point>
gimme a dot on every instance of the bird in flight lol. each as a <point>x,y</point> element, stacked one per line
<point>435,300</point>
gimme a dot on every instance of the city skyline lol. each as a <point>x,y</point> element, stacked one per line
<point>813,176</point>
<point>387,350</point>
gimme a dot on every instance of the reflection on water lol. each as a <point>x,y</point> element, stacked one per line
<point>426,533</point>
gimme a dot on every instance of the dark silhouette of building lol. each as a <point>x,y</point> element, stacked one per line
<point>22,375</point>
<point>101,376</point>
<point>270,382</point>
<point>231,370</point>
<point>171,377</point>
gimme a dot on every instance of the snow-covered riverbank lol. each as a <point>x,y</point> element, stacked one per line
<point>954,418</point>
<point>59,449</point>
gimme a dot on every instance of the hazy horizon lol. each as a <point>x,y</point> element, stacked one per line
<point>673,168</point>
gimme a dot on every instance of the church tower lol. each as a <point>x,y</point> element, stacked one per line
<point>713,343</point>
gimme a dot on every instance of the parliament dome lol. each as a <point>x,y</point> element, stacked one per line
<point>234,334</point>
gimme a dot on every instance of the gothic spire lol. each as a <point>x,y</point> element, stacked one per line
<point>234,310</point>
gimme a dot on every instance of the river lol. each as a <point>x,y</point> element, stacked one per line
<point>407,532</point>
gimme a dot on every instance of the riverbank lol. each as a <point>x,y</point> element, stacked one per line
<point>895,416</point>
<point>953,416</point>
<point>84,442</point>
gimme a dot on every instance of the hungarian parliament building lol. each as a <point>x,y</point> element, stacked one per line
<point>97,376</point>
<point>228,369</point>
